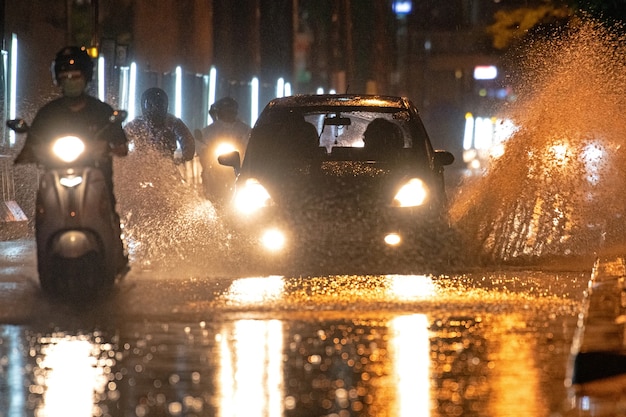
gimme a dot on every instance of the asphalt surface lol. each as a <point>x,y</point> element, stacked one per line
<point>186,340</point>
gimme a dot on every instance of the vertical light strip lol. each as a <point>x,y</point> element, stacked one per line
<point>123,93</point>
<point>468,137</point>
<point>254,101</point>
<point>5,94</point>
<point>101,83</point>
<point>205,85</point>
<point>280,87</point>
<point>212,85</point>
<point>132,89</point>
<point>13,87</point>
<point>287,89</point>
<point>178,94</point>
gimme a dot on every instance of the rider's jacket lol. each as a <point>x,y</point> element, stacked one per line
<point>80,116</point>
<point>165,137</point>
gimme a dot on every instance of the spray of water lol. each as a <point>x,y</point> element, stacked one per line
<point>166,222</point>
<point>558,189</point>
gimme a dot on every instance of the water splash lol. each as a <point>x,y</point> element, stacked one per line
<point>558,188</point>
<point>166,222</point>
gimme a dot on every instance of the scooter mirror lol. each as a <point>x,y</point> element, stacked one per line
<point>18,125</point>
<point>118,116</point>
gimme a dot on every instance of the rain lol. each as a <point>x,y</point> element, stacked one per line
<point>555,193</point>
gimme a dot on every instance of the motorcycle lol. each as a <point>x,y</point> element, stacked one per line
<point>218,180</point>
<point>80,253</point>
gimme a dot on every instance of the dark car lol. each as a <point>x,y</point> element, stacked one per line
<point>350,181</point>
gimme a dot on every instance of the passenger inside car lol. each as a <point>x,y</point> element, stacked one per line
<point>383,139</point>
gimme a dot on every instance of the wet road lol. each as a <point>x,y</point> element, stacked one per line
<point>183,342</point>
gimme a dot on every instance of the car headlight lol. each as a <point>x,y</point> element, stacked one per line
<point>68,148</point>
<point>273,240</point>
<point>412,194</point>
<point>392,239</point>
<point>251,197</point>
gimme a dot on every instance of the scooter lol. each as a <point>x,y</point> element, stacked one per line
<point>80,253</point>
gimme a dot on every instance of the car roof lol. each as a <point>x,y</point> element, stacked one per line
<point>339,100</point>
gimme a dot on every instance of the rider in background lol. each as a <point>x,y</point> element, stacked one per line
<point>227,133</point>
<point>160,130</point>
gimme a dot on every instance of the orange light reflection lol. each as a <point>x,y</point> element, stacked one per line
<point>410,352</point>
<point>251,371</point>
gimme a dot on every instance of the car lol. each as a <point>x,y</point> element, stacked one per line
<point>340,181</point>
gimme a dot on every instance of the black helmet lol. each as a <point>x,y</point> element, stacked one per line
<point>73,58</point>
<point>226,104</point>
<point>154,103</point>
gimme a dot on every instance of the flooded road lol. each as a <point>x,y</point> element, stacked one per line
<point>200,337</point>
<point>185,344</point>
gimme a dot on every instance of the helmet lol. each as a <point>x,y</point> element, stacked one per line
<point>73,58</point>
<point>154,103</point>
<point>226,109</point>
<point>226,104</point>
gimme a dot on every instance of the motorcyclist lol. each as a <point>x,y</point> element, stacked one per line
<point>160,130</point>
<point>226,133</point>
<point>75,112</point>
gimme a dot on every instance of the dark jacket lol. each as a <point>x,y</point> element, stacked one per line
<point>164,138</point>
<point>84,116</point>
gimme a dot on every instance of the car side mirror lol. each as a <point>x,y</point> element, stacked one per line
<point>231,159</point>
<point>443,158</point>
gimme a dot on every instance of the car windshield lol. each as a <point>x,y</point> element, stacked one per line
<point>347,129</point>
<point>300,132</point>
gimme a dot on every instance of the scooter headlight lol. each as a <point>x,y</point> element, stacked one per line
<point>71,181</point>
<point>251,197</point>
<point>413,193</point>
<point>68,148</point>
<point>224,148</point>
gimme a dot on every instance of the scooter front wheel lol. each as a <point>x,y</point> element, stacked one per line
<point>81,279</point>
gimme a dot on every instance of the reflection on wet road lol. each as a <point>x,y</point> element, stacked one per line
<point>471,345</point>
